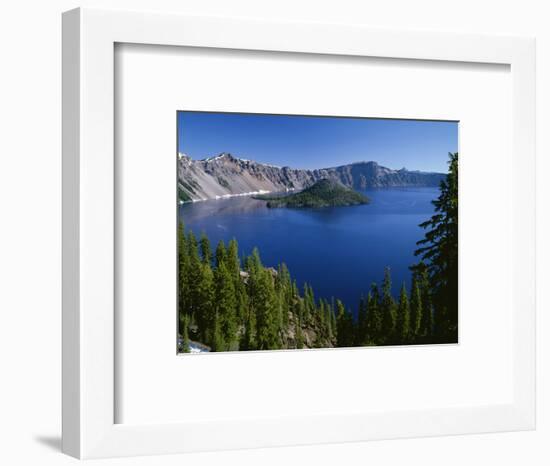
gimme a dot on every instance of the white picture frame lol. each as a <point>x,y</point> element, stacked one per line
<point>89,38</point>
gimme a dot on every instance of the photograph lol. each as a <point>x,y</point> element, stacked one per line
<point>307,232</point>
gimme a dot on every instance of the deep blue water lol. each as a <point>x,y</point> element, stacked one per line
<point>339,251</point>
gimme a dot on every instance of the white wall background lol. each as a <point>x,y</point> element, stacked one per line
<point>30,226</point>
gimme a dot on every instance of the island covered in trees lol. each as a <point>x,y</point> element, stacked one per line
<point>324,193</point>
<point>231,303</point>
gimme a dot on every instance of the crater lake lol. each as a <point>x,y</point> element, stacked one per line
<point>339,251</point>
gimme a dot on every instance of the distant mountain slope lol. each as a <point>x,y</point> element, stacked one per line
<point>226,175</point>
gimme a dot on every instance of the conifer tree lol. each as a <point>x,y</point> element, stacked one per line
<point>193,276</point>
<point>328,321</point>
<point>284,289</point>
<point>182,245</point>
<point>295,292</point>
<point>206,251</point>
<point>185,334</point>
<point>373,323</point>
<point>323,332</point>
<point>388,308</point>
<point>416,310</point>
<point>226,305</point>
<point>221,253</point>
<point>233,261</point>
<point>234,268</point>
<point>403,317</point>
<point>298,306</point>
<point>427,321</point>
<point>182,271</point>
<point>253,267</point>
<point>309,303</point>
<point>217,343</point>
<point>278,316</point>
<point>254,262</point>
<point>305,309</point>
<point>439,251</point>
<point>262,302</point>
<point>344,324</point>
<point>333,318</point>
<point>298,333</point>
<point>361,322</point>
<point>248,337</point>
<point>266,312</point>
<point>204,310</point>
<point>192,245</point>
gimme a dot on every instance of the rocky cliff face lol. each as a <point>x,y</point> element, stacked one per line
<point>226,175</point>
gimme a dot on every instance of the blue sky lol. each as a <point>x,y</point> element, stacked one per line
<point>318,142</point>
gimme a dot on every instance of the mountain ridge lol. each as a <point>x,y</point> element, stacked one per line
<point>225,175</point>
